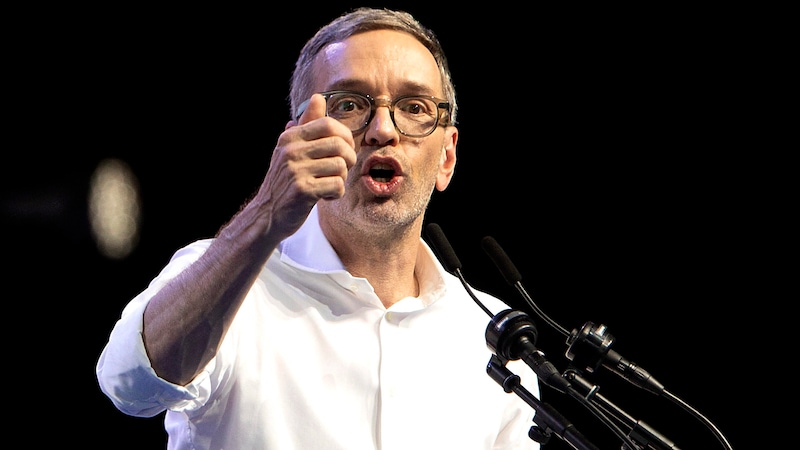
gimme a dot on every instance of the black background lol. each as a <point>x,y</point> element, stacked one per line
<point>606,151</point>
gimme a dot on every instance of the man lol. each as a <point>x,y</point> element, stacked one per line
<point>317,317</point>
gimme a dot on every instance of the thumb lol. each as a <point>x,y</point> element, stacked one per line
<point>311,109</point>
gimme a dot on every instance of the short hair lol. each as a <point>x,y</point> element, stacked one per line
<point>357,21</point>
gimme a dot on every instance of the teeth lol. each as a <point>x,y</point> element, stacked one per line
<point>382,172</point>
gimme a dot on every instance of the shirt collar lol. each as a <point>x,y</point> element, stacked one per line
<point>309,249</point>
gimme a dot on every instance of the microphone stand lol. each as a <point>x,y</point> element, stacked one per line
<point>589,347</point>
<point>641,433</point>
<point>512,335</point>
<point>547,419</point>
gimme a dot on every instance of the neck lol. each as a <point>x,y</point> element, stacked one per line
<point>388,263</point>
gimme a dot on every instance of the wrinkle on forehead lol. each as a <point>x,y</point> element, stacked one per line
<point>380,59</point>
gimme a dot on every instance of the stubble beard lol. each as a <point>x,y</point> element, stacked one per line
<point>381,216</point>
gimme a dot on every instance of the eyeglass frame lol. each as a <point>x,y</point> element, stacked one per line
<point>376,103</point>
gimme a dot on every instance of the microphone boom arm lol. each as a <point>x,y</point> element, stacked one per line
<point>641,433</point>
<point>547,419</point>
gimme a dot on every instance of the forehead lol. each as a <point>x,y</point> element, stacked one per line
<point>381,61</point>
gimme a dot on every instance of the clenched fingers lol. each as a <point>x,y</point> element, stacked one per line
<point>309,163</point>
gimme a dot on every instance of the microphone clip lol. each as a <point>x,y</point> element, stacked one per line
<point>589,346</point>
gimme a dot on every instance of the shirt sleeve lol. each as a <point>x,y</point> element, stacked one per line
<point>124,372</point>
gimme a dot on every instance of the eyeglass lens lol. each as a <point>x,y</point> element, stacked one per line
<point>412,115</point>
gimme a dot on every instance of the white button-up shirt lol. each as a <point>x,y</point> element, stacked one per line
<point>313,361</point>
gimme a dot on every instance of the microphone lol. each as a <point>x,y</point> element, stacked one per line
<point>510,334</point>
<point>501,260</point>
<point>443,248</point>
<point>449,259</point>
<point>513,277</point>
<point>589,347</point>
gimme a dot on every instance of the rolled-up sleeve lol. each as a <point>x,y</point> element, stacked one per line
<point>123,370</point>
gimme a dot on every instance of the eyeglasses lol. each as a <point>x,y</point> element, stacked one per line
<point>413,115</point>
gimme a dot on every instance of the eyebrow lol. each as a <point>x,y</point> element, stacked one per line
<point>407,88</point>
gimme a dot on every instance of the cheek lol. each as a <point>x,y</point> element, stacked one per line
<point>433,168</point>
<point>434,158</point>
<point>428,161</point>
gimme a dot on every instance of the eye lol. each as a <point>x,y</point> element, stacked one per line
<point>417,106</point>
<point>346,105</point>
<point>414,108</point>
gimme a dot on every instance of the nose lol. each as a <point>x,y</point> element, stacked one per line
<point>381,129</point>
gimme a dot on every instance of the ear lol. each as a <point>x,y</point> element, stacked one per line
<point>447,164</point>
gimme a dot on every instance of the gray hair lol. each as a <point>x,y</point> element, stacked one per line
<point>358,21</point>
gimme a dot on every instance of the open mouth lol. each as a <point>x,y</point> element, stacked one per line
<point>382,175</point>
<point>381,172</point>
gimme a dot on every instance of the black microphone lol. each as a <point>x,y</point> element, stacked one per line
<point>501,260</point>
<point>449,259</point>
<point>589,347</point>
<point>443,248</point>
<point>513,277</point>
<point>510,334</point>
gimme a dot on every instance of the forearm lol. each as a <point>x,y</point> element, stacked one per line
<point>185,322</point>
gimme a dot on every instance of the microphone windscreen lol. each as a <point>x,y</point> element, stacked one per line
<point>443,247</point>
<point>501,260</point>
